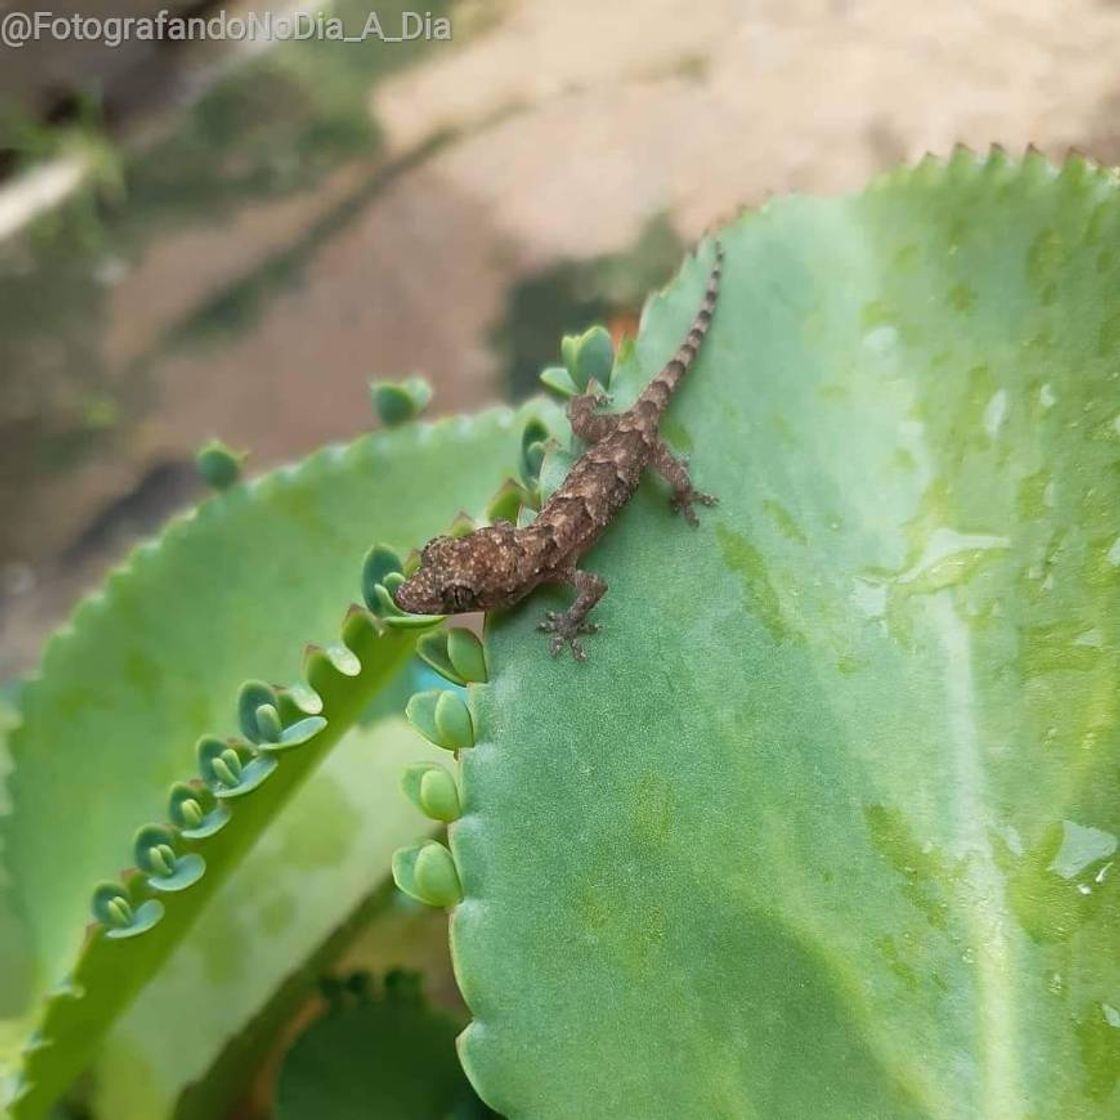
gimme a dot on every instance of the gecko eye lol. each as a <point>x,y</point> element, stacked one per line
<point>460,598</point>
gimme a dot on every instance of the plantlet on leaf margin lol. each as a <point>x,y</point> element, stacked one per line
<point>219,464</point>
<point>166,869</point>
<point>397,402</point>
<point>230,768</point>
<point>511,498</point>
<point>427,873</point>
<point>381,576</point>
<point>195,811</point>
<point>456,654</point>
<point>442,718</point>
<point>588,360</point>
<point>433,791</point>
<point>534,439</point>
<point>114,910</point>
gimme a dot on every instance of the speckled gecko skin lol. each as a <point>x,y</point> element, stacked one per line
<point>495,567</point>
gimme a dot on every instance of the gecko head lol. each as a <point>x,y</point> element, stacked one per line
<point>459,574</point>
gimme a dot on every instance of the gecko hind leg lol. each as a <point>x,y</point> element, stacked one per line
<point>587,424</point>
<point>675,473</point>
<point>566,627</point>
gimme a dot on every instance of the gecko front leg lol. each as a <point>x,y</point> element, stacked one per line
<point>567,626</point>
<point>675,473</point>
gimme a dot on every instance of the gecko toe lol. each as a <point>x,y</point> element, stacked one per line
<point>684,508</point>
<point>566,631</point>
<point>683,502</point>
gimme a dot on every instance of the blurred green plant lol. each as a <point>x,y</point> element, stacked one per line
<point>376,1054</point>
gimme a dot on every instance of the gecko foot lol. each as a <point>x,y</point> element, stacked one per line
<point>566,630</point>
<point>683,501</point>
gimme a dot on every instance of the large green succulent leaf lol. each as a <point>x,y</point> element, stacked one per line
<point>154,661</point>
<point>827,824</point>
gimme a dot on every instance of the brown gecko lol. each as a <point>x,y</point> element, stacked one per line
<point>497,566</point>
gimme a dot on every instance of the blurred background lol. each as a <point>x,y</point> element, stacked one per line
<point>230,238</point>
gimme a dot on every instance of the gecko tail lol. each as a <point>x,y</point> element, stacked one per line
<point>661,388</point>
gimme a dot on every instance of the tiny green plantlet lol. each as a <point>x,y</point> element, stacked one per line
<point>397,402</point>
<point>827,828</point>
<point>219,465</point>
